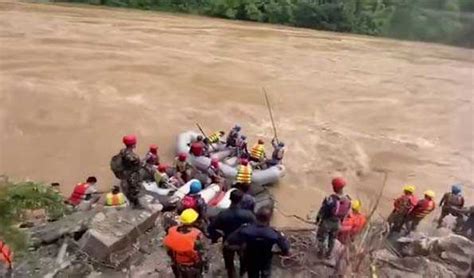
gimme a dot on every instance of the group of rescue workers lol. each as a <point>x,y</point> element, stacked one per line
<point>244,231</point>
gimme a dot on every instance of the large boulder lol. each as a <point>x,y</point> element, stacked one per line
<point>112,235</point>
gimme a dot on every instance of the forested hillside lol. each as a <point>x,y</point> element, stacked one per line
<point>442,21</point>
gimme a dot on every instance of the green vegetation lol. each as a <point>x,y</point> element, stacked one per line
<point>443,21</point>
<point>15,198</point>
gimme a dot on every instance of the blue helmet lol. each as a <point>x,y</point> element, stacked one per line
<point>195,187</point>
<point>456,189</point>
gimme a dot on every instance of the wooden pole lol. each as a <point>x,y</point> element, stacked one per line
<point>203,133</point>
<point>271,113</point>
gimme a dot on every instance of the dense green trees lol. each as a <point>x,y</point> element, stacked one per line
<point>444,21</point>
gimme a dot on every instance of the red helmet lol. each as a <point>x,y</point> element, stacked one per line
<point>260,141</point>
<point>244,162</point>
<point>182,157</point>
<point>162,168</point>
<point>129,140</point>
<point>215,162</point>
<point>153,149</point>
<point>338,183</point>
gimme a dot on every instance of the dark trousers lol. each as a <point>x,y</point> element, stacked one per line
<point>229,255</point>
<point>259,269</point>
<point>327,230</point>
<point>181,271</point>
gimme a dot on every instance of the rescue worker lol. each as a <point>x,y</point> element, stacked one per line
<point>353,224</point>
<point>198,147</point>
<point>278,153</point>
<point>183,168</point>
<point>330,216</point>
<point>257,153</point>
<point>402,206</point>
<point>233,136</point>
<point>6,255</point>
<point>185,247</point>
<point>243,178</point>
<point>153,155</point>
<point>81,190</point>
<point>194,200</point>
<point>257,241</point>
<point>241,147</point>
<point>450,200</point>
<point>148,170</point>
<point>226,222</point>
<point>215,173</point>
<point>115,198</point>
<point>424,207</point>
<point>467,227</point>
<point>161,176</point>
<point>215,137</point>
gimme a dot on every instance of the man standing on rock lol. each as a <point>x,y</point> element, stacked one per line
<point>257,241</point>
<point>226,223</point>
<point>450,204</point>
<point>186,248</point>
<point>333,211</point>
<point>402,206</point>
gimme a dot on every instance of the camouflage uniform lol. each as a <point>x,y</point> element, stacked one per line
<point>131,177</point>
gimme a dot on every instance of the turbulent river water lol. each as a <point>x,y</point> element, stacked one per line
<point>74,79</point>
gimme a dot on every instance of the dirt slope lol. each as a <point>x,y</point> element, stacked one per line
<point>74,79</point>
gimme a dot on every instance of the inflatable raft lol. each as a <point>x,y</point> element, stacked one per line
<point>259,177</point>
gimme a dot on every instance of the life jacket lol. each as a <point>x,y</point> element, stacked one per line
<point>454,200</point>
<point>114,199</point>
<point>405,203</point>
<point>6,254</point>
<point>181,166</point>
<point>189,202</point>
<point>197,149</point>
<point>214,138</point>
<point>258,151</point>
<point>182,246</point>
<point>244,174</point>
<point>356,222</point>
<point>423,208</point>
<point>78,193</point>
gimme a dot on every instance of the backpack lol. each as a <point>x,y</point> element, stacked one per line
<point>188,202</point>
<point>116,165</point>
<point>342,206</point>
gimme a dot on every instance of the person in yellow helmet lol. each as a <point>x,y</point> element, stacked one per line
<point>424,207</point>
<point>402,206</point>
<point>115,198</point>
<point>185,246</point>
<point>353,224</point>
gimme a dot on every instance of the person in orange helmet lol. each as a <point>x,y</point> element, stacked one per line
<point>353,224</point>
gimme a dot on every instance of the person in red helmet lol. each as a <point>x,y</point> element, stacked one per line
<point>198,148</point>
<point>183,170</point>
<point>126,166</point>
<point>333,210</point>
<point>215,173</point>
<point>152,155</point>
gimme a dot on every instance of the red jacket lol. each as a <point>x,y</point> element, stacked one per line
<point>79,193</point>
<point>405,203</point>
<point>197,149</point>
<point>423,208</point>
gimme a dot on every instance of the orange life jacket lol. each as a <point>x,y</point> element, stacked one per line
<point>423,208</point>
<point>405,203</point>
<point>244,174</point>
<point>351,226</point>
<point>78,194</point>
<point>6,254</point>
<point>115,199</point>
<point>182,245</point>
<point>258,151</point>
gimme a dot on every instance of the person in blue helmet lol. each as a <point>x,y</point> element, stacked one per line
<point>233,136</point>
<point>193,200</point>
<point>451,203</point>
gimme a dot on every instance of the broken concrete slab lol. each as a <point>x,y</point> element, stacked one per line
<point>112,234</point>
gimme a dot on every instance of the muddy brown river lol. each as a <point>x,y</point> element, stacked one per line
<point>74,79</point>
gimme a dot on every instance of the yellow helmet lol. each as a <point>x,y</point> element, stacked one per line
<point>188,216</point>
<point>409,188</point>
<point>430,193</point>
<point>356,205</point>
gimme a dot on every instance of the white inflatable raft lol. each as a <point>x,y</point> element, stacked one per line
<point>259,177</point>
